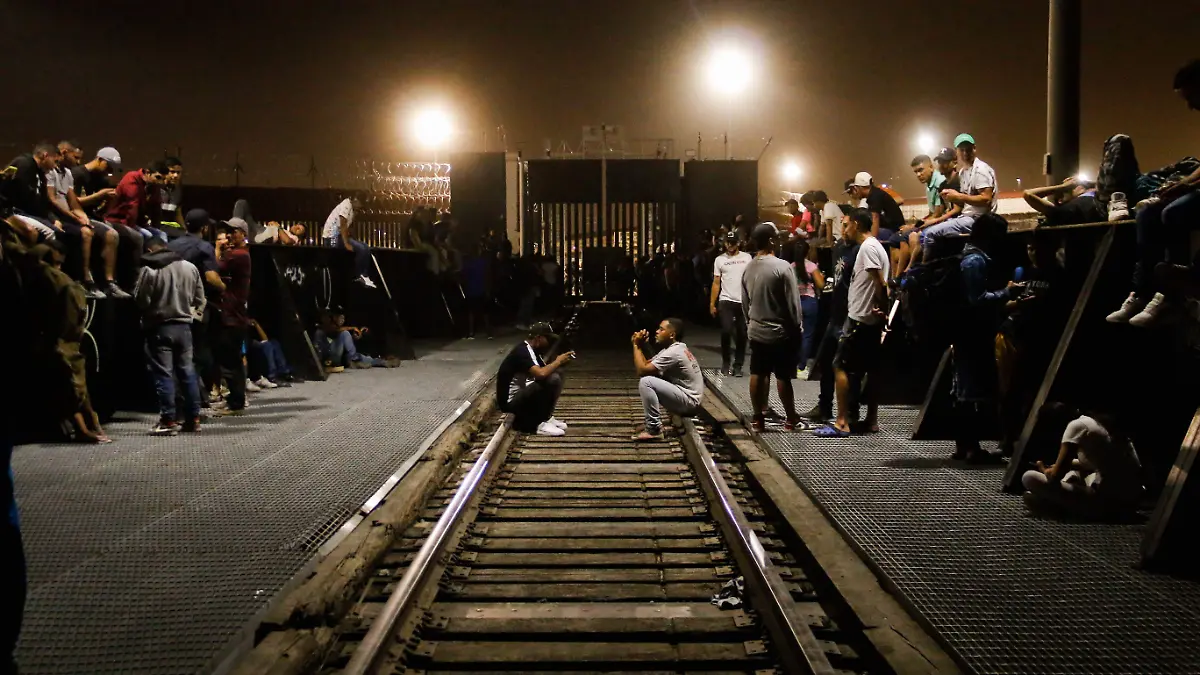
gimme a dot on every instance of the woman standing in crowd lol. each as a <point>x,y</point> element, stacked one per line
<point>811,282</point>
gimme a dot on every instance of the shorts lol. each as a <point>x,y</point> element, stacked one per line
<point>859,347</point>
<point>780,359</point>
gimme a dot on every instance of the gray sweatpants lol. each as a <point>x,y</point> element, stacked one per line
<point>656,392</point>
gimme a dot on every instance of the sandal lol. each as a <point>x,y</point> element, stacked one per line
<point>830,431</point>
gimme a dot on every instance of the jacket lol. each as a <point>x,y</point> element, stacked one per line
<point>168,290</point>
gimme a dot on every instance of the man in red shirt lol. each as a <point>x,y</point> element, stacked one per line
<point>797,228</point>
<point>134,207</point>
<point>233,317</point>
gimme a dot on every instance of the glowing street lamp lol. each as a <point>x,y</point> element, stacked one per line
<point>927,144</point>
<point>729,70</point>
<point>791,173</point>
<point>432,128</point>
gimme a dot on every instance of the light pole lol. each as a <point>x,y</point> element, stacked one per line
<point>729,70</point>
<point>432,128</point>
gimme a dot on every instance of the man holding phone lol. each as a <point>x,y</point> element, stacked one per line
<point>528,387</point>
<point>976,194</point>
<point>672,379</point>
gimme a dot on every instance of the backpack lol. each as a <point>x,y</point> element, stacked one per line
<point>933,299</point>
<point>1118,170</point>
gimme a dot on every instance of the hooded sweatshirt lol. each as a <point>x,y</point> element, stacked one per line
<point>168,289</point>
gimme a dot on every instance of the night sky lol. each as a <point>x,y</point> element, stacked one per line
<point>842,86</point>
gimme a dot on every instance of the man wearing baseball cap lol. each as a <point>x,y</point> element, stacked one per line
<point>528,387</point>
<point>726,302</point>
<point>976,193</point>
<point>233,318</point>
<point>886,216</point>
<point>195,248</point>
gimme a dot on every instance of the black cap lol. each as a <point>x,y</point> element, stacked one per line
<point>542,329</point>
<point>197,218</point>
<point>945,155</point>
<point>762,235</point>
<point>731,237</point>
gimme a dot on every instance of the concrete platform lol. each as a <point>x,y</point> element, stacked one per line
<point>1004,591</point>
<point>151,555</point>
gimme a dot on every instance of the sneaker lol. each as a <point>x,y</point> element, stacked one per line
<point>1118,207</point>
<point>112,290</point>
<point>1151,312</point>
<point>737,371</point>
<point>802,374</point>
<point>192,426</point>
<point>726,369</point>
<point>547,429</point>
<point>165,428</point>
<point>229,412</point>
<point>92,292</point>
<point>250,386</point>
<point>336,369</point>
<point>280,383</point>
<point>365,281</point>
<point>264,383</point>
<point>362,364</point>
<point>816,414</point>
<point>1148,201</point>
<point>1129,309</point>
<point>558,423</point>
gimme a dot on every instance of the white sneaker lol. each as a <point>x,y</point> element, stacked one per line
<point>548,429</point>
<point>250,386</point>
<point>558,423</point>
<point>366,281</point>
<point>1118,207</point>
<point>264,383</point>
<point>1129,309</point>
<point>1151,313</point>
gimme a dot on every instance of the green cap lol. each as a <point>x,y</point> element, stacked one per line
<point>963,138</point>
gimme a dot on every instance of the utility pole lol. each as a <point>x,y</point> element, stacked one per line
<point>237,169</point>
<point>1062,91</point>
<point>312,171</point>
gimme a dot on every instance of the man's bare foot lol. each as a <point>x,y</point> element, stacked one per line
<point>647,436</point>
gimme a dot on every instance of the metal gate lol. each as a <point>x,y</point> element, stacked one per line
<point>589,214</point>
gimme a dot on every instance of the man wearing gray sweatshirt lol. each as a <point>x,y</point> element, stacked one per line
<point>170,294</point>
<point>771,298</point>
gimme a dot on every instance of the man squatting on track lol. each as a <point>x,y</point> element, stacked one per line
<point>672,379</point>
<point>528,387</point>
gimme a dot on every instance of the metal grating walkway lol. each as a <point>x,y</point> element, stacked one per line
<point>1008,592</point>
<point>151,555</point>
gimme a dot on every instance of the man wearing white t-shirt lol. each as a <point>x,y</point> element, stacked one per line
<point>976,194</point>
<point>860,344</point>
<point>338,233</point>
<point>726,302</point>
<point>830,214</point>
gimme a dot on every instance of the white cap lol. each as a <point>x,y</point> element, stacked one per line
<point>109,155</point>
<point>862,179</point>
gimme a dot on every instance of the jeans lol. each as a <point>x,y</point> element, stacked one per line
<point>272,355</point>
<point>808,311</point>
<point>534,403</point>
<point>149,233</point>
<point>824,363</point>
<point>12,562</point>
<point>338,350</point>
<point>656,391</point>
<point>362,255</point>
<point>1163,234</point>
<point>228,352</point>
<point>169,355</point>
<point>733,329</point>
<point>956,225</point>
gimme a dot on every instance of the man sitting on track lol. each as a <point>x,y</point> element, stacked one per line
<point>672,378</point>
<point>528,387</point>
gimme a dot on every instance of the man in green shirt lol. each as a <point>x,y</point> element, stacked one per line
<point>933,181</point>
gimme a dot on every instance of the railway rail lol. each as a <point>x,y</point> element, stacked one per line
<point>593,553</point>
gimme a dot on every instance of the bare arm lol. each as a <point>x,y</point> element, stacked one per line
<point>214,279</point>
<point>1065,452</point>
<point>982,199</point>
<point>818,280</point>
<point>76,208</point>
<point>880,290</point>
<point>875,224</point>
<point>542,372</point>
<point>640,364</point>
<point>716,293</point>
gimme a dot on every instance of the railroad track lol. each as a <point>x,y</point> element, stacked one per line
<point>592,553</point>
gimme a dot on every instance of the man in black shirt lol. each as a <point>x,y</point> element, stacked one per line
<point>844,255</point>
<point>528,387</point>
<point>26,193</point>
<point>93,183</point>
<point>1073,202</point>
